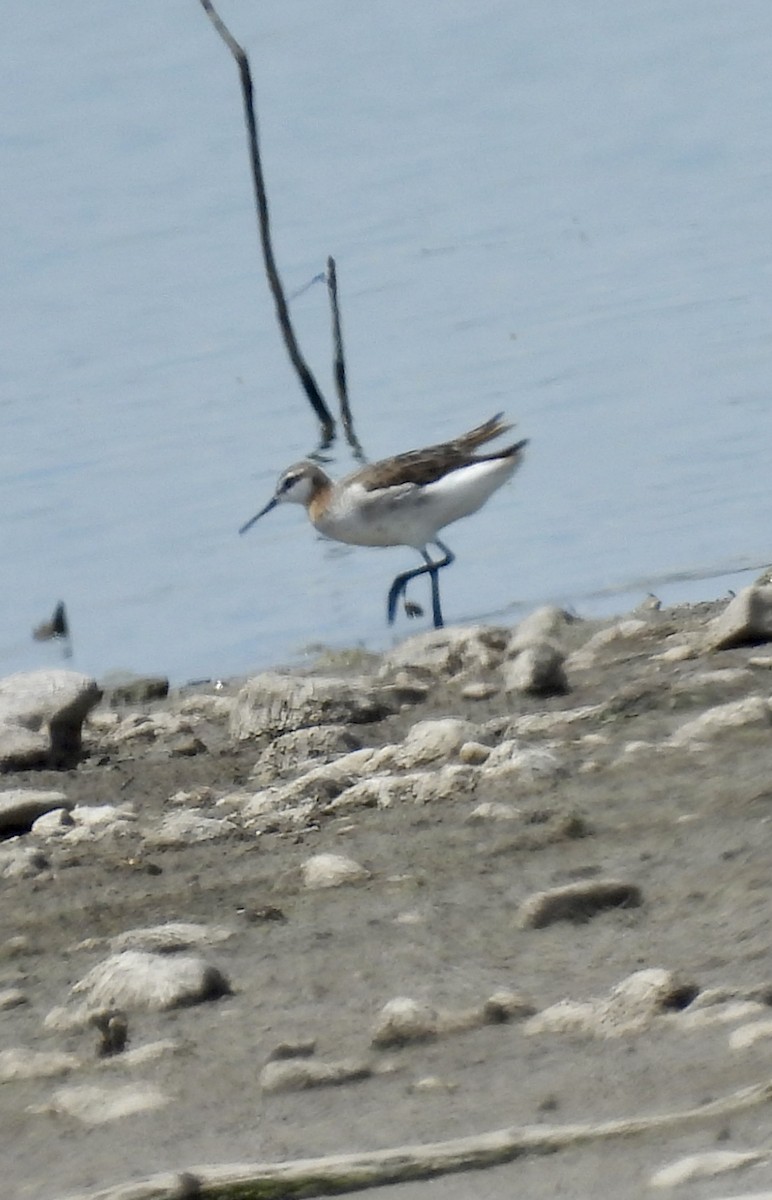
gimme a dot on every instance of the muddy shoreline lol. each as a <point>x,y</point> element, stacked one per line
<point>450,850</point>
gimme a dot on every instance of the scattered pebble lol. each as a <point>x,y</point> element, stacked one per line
<point>577,902</point>
<point>538,670</point>
<point>705,1165</point>
<point>747,1035</point>
<point>23,1063</point>
<point>20,807</point>
<point>750,712</point>
<point>331,870</point>
<point>291,1075</point>
<point>746,619</point>
<point>12,997</point>
<point>403,1020</point>
<point>94,1105</point>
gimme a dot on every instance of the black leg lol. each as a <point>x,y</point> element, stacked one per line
<point>431,568</point>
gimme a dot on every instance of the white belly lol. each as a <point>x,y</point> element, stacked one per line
<point>411,514</point>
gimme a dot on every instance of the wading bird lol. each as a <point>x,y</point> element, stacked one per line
<point>403,501</point>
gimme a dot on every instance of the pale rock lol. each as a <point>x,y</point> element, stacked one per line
<point>149,727</point>
<point>331,870</point>
<point>137,980</point>
<point>88,823</point>
<point>746,619</point>
<point>41,717</point>
<point>297,1047</point>
<point>529,765</point>
<point>432,1083</point>
<point>489,810</point>
<point>92,1104</point>
<point>21,807</point>
<point>411,917</point>
<point>296,1074</point>
<point>564,1017</point>
<point>187,827</point>
<point>380,791</point>
<point>749,713</point>
<point>239,801</point>
<point>724,679</point>
<point>445,653</point>
<point>504,1006</point>
<point>102,720</point>
<point>415,787</point>
<point>402,690</point>
<point>261,807</point>
<point>552,722</point>
<point>633,751</point>
<point>68,1018</point>
<point>204,704</point>
<point>629,1008</point>
<point>704,1165</point>
<point>23,1063</point>
<point>577,902</point>
<point>542,625</point>
<point>270,704</point>
<point>12,997</point>
<point>15,946</point>
<point>194,797</point>
<point>19,861</point>
<point>404,1020</point>
<point>718,1014</point>
<point>170,937</point>
<point>479,690</point>
<point>317,786</point>
<point>711,997</point>
<point>140,1056</point>
<point>678,653</point>
<point>473,754</point>
<point>435,740</point>
<point>451,782</point>
<point>292,753</point>
<point>747,1035</point>
<point>618,635</point>
<point>537,670</point>
<point>593,740</point>
<point>53,824</point>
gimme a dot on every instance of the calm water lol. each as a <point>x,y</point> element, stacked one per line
<point>560,210</point>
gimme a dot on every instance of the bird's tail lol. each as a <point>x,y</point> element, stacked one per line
<point>483,433</point>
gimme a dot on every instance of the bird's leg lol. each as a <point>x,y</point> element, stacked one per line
<point>397,589</point>
<point>434,569</point>
<point>431,568</point>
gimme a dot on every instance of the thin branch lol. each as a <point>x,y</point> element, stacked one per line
<point>338,1174</point>
<point>282,312</point>
<point>339,364</point>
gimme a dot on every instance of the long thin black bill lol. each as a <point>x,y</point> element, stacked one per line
<point>271,504</point>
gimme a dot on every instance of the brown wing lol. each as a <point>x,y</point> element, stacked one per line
<point>431,463</point>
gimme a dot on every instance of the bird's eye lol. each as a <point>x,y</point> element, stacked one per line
<point>288,482</point>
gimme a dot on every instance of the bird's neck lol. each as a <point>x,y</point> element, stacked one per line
<point>320,498</point>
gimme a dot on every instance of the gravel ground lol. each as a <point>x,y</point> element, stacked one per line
<point>437,920</point>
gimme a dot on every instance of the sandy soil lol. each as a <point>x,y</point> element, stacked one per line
<point>437,921</point>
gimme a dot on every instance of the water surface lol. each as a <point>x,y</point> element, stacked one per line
<point>557,210</point>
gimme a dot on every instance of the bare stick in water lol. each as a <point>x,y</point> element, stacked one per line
<point>339,364</point>
<point>282,312</point>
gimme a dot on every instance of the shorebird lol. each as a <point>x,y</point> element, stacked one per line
<point>403,501</point>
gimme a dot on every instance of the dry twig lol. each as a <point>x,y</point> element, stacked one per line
<point>282,311</point>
